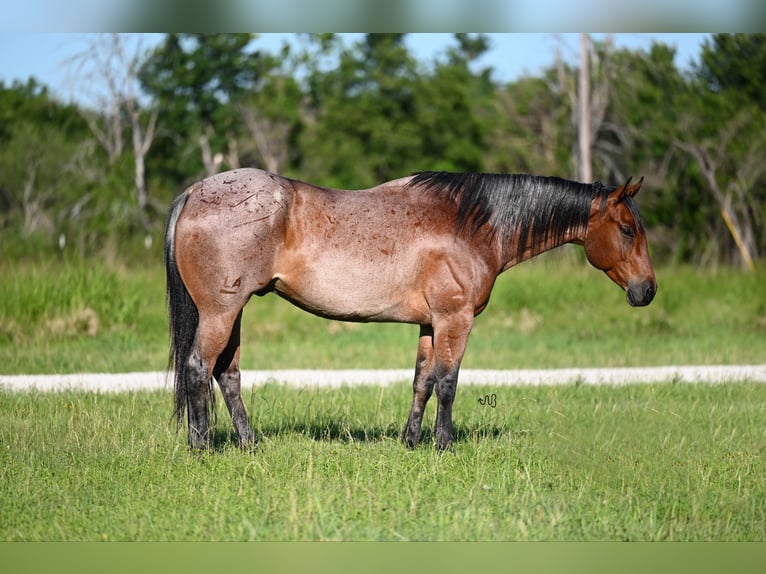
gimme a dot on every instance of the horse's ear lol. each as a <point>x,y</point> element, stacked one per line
<point>628,190</point>
<point>633,189</point>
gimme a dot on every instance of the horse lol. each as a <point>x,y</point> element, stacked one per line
<point>424,249</point>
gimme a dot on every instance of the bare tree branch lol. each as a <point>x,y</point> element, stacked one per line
<point>108,62</point>
<point>270,138</point>
<point>734,213</point>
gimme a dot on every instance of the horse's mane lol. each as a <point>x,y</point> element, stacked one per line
<point>534,207</point>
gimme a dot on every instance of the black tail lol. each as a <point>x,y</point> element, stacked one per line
<point>182,312</point>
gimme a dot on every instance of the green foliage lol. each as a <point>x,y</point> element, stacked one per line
<point>31,102</point>
<point>39,154</point>
<point>530,134</point>
<point>456,111</point>
<point>646,462</point>
<point>354,115</point>
<point>364,131</point>
<point>724,133</point>
<point>56,183</point>
<point>197,79</point>
<point>735,64</point>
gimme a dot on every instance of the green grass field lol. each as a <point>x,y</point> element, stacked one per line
<point>551,312</point>
<point>647,462</point>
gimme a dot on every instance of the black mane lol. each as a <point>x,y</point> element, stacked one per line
<point>536,207</point>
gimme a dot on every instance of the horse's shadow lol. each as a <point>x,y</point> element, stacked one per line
<point>341,431</point>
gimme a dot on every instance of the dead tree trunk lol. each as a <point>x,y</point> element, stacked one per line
<point>585,171</point>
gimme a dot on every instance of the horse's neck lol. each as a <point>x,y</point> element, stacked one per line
<point>513,255</point>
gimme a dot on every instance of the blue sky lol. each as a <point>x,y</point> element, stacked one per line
<point>44,55</point>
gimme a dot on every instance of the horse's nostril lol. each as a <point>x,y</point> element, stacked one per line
<point>640,295</point>
<point>651,291</point>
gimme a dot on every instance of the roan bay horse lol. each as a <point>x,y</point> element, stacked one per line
<point>424,249</point>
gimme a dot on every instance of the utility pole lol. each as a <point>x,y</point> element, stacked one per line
<point>586,173</point>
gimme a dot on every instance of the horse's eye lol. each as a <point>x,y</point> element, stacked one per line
<point>627,231</point>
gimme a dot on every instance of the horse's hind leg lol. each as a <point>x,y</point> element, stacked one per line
<point>198,396</point>
<point>227,373</point>
<point>422,387</point>
<point>213,335</point>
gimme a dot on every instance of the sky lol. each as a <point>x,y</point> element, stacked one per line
<point>45,55</point>
<point>382,16</point>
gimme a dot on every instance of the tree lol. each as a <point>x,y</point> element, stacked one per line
<point>359,126</point>
<point>532,133</point>
<point>727,137</point>
<point>272,114</point>
<point>354,114</point>
<point>455,108</point>
<point>640,126</point>
<point>589,93</point>
<point>583,112</point>
<point>38,154</point>
<point>107,74</point>
<point>379,114</point>
<point>198,80</point>
<point>735,64</point>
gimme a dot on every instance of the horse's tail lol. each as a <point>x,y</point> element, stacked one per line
<point>182,312</point>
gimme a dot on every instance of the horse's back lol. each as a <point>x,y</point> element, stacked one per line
<point>241,196</point>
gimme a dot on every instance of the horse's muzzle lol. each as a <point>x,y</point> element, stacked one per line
<point>641,294</point>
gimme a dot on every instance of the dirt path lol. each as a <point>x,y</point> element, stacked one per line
<point>117,382</point>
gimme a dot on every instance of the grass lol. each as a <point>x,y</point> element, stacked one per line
<point>649,462</point>
<point>551,312</point>
<point>80,317</point>
<point>646,462</point>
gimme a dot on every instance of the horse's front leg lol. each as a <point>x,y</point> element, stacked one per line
<point>446,388</point>
<point>450,341</point>
<point>440,352</point>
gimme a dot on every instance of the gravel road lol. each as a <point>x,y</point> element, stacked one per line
<point>118,382</point>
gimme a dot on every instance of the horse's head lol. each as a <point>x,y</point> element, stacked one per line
<point>615,242</point>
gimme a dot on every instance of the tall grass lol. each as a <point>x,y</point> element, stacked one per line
<point>79,316</point>
<point>552,312</point>
<point>647,462</point>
